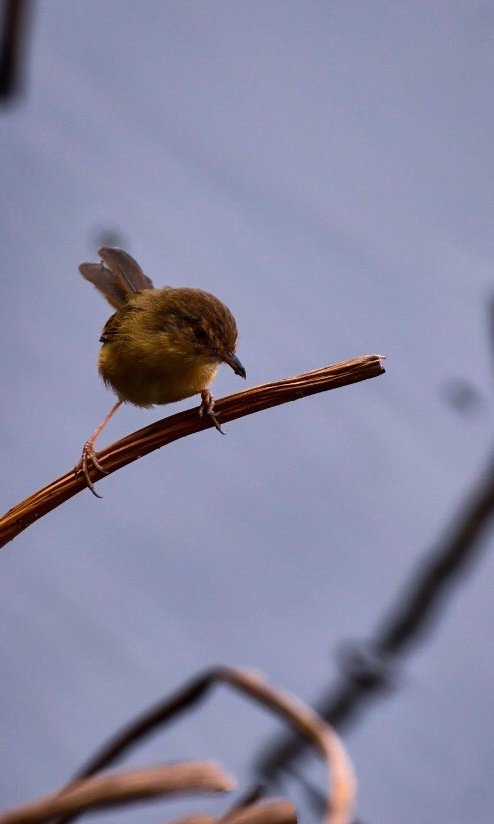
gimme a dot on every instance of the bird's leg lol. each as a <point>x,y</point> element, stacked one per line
<point>207,408</point>
<point>88,456</point>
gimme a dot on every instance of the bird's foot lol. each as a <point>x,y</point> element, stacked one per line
<point>89,458</point>
<point>207,408</point>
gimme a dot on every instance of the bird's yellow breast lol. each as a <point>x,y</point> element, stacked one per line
<point>146,376</point>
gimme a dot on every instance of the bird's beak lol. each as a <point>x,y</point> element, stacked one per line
<point>234,362</point>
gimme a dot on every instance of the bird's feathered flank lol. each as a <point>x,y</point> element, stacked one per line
<point>117,276</point>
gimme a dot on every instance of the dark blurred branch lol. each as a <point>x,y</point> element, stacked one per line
<point>11,36</point>
<point>340,778</point>
<point>369,670</point>
<point>419,604</point>
<point>170,429</point>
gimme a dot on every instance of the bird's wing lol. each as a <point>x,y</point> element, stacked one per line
<point>105,282</point>
<point>117,277</point>
<point>125,269</point>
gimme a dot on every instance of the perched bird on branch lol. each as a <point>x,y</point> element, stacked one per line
<point>160,346</point>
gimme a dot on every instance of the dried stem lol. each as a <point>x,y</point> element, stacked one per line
<point>267,812</point>
<point>170,429</point>
<point>341,782</point>
<point>198,818</point>
<point>122,788</point>
<point>279,811</point>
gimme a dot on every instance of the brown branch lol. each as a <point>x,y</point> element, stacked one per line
<point>122,788</point>
<point>266,812</point>
<point>341,782</point>
<point>278,811</point>
<point>198,818</point>
<point>170,429</point>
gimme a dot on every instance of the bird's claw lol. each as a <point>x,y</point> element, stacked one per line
<point>88,457</point>
<point>207,408</point>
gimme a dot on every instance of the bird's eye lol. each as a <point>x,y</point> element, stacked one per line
<point>200,334</point>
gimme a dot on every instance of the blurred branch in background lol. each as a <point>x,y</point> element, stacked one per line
<point>369,669</point>
<point>87,791</point>
<point>163,432</point>
<point>14,24</point>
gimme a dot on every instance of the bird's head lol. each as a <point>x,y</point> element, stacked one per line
<point>198,325</point>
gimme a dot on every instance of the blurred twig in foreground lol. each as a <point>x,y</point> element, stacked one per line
<point>122,788</point>
<point>170,429</point>
<point>89,791</point>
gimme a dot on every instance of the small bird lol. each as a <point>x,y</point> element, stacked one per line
<point>160,346</point>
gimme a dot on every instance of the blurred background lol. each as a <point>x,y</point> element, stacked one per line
<point>326,169</point>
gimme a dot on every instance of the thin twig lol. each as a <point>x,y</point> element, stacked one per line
<point>341,782</point>
<point>123,788</point>
<point>278,811</point>
<point>170,429</point>
<point>197,818</point>
<point>267,812</point>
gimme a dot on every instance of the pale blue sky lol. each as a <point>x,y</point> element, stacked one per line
<point>326,169</point>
